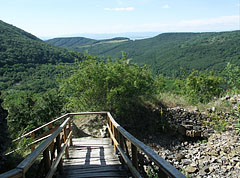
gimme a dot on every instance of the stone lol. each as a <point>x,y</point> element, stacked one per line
<point>186,161</point>
<point>211,169</point>
<point>191,169</point>
<point>179,157</point>
<point>237,165</point>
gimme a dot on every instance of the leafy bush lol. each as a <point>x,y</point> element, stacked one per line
<point>232,76</point>
<point>203,86</point>
<point>28,112</point>
<point>112,85</point>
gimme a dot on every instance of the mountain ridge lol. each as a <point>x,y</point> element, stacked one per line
<point>166,53</point>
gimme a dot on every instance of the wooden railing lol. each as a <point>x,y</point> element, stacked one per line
<point>131,150</point>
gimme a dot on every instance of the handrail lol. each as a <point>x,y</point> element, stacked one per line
<point>32,131</point>
<point>166,168</point>
<point>44,148</point>
<point>117,134</point>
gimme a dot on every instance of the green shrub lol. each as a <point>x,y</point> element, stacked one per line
<point>202,86</point>
<point>113,85</point>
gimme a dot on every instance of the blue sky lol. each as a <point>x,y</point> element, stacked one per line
<point>52,18</point>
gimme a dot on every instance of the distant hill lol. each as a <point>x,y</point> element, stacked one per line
<point>28,63</point>
<point>20,47</point>
<point>74,43</point>
<point>168,52</point>
<point>69,42</point>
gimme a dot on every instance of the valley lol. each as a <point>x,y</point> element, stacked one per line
<point>180,85</point>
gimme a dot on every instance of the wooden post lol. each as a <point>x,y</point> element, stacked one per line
<point>65,138</point>
<point>33,145</point>
<point>110,126</point>
<point>46,160</point>
<point>134,156</point>
<point>121,145</point>
<point>70,128</point>
<point>50,127</point>
<point>126,147</point>
<point>60,165</point>
<point>114,135</point>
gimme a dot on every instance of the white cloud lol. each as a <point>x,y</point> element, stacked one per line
<point>165,6</point>
<point>120,9</point>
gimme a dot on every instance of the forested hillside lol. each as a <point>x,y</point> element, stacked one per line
<point>168,52</point>
<point>27,62</point>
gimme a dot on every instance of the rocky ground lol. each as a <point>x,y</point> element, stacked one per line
<point>197,149</point>
<point>219,156</point>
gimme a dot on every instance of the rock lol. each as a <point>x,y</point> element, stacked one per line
<point>211,169</point>
<point>229,168</point>
<point>227,97</point>
<point>179,157</point>
<point>213,109</point>
<point>237,165</point>
<point>191,169</point>
<point>186,161</point>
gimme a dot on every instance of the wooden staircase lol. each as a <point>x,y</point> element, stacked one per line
<point>120,155</point>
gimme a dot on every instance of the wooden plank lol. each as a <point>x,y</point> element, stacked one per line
<point>97,174</point>
<point>93,160</point>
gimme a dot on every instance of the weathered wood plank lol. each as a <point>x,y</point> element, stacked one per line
<point>92,157</point>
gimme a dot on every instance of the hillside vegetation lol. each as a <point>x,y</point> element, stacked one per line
<point>169,52</point>
<point>26,59</point>
<point>40,82</point>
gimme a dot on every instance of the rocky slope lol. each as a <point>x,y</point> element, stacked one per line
<point>208,153</point>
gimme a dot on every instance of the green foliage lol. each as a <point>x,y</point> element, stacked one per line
<point>28,112</point>
<point>217,122</point>
<point>152,172</point>
<point>20,47</point>
<point>232,77</point>
<point>106,85</point>
<point>168,52</point>
<point>237,120</point>
<point>202,86</point>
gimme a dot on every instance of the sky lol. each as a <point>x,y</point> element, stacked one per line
<point>55,18</point>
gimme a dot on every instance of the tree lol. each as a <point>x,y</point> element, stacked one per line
<point>112,85</point>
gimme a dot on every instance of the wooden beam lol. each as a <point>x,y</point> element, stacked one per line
<point>60,164</point>
<point>46,160</point>
<point>33,145</point>
<point>70,129</point>
<point>65,139</point>
<point>134,156</point>
<point>59,158</point>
